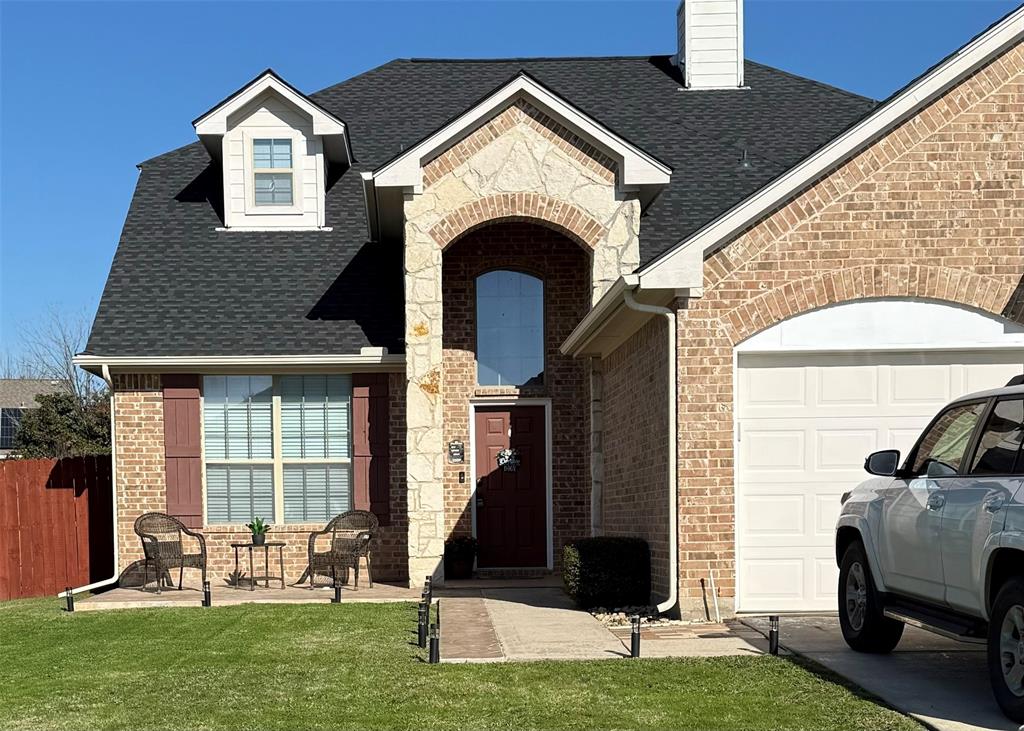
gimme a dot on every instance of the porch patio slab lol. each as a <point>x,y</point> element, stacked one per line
<point>542,623</point>
<point>191,595</point>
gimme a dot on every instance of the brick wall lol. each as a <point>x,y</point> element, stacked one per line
<point>139,454</point>
<point>635,492</point>
<point>934,209</point>
<point>565,269</point>
<point>141,487</point>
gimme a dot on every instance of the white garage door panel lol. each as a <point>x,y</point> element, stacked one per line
<point>805,422</point>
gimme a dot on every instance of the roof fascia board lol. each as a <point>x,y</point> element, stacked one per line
<point>215,121</point>
<point>605,307</point>
<point>372,206</point>
<point>638,167</point>
<point>660,272</point>
<point>278,363</point>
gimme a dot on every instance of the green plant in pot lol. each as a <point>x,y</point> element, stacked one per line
<point>259,531</point>
<point>459,555</point>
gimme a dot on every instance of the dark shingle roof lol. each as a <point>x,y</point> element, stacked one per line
<point>20,393</point>
<point>179,287</point>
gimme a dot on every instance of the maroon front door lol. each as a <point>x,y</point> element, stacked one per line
<point>511,500</point>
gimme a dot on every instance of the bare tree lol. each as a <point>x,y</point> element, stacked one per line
<point>49,348</point>
<point>17,367</point>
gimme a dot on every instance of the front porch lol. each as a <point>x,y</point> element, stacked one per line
<point>224,594</point>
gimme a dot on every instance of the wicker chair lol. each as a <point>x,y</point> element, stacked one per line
<point>162,539</point>
<point>351,539</point>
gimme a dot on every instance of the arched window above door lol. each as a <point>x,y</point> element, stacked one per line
<point>509,329</point>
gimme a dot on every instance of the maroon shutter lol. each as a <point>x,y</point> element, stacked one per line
<point>371,468</point>
<point>182,452</point>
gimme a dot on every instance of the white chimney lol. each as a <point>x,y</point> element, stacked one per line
<point>711,43</point>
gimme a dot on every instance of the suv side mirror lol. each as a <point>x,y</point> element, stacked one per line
<point>884,463</point>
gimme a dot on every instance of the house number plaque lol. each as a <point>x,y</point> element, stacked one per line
<point>456,452</point>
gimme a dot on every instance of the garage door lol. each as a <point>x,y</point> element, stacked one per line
<point>804,423</point>
<point>818,392</point>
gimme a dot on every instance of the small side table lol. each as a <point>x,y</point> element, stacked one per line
<point>253,578</point>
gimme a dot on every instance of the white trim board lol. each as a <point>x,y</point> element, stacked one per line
<point>215,121</point>
<point>485,402</point>
<point>678,261</point>
<point>366,362</point>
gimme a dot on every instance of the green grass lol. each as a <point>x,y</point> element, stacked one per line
<point>324,666</point>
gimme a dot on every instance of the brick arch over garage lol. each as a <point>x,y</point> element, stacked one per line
<point>940,283</point>
<point>537,208</point>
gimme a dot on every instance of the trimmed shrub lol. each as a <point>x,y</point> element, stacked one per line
<point>607,572</point>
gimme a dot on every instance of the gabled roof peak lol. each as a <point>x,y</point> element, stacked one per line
<point>213,124</point>
<point>638,168</point>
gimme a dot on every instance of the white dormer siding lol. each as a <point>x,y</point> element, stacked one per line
<point>710,34</point>
<point>269,117</point>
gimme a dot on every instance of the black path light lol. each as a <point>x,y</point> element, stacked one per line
<point>435,645</point>
<point>70,599</point>
<point>634,636</point>
<point>207,597</point>
<point>428,589</point>
<point>421,626</point>
<point>337,592</point>
<point>773,634</point>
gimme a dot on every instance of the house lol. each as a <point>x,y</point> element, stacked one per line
<point>17,395</point>
<point>677,297</point>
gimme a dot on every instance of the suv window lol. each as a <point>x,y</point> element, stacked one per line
<point>943,446</point>
<point>1000,442</point>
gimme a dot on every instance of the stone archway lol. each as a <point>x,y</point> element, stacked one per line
<point>522,165</point>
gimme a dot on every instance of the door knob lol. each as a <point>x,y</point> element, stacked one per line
<point>993,504</point>
<point>935,501</point>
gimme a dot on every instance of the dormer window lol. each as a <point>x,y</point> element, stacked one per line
<point>274,146</point>
<point>272,171</point>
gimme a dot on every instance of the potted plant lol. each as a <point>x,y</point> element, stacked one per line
<point>459,555</point>
<point>259,531</point>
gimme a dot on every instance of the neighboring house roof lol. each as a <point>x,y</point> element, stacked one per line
<point>20,393</point>
<point>178,286</point>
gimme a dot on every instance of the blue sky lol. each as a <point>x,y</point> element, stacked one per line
<point>89,89</point>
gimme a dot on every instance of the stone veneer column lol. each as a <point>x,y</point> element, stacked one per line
<point>522,165</point>
<point>425,453</point>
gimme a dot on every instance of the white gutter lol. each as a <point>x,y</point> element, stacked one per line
<point>113,498</point>
<point>673,435</point>
<point>375,358</point>
<point>601,311</point>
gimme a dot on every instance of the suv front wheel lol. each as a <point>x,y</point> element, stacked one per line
<point>1006,649</point>
<point>865,628</point>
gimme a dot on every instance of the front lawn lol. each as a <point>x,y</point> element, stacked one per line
<point>324,666</point>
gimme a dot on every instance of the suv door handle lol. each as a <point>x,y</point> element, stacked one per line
<point>993,504</point>
<point>935,501</point>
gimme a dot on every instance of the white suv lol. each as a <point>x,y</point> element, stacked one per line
<point>938,541</point>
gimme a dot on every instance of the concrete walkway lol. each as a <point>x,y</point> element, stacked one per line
<point>942,683</point>
<point>541,623</point>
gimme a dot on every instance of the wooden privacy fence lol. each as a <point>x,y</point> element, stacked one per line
<point>56,526</point>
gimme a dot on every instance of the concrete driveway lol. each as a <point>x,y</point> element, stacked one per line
<point>942,683</point>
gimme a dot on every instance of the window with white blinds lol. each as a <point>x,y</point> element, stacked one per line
<point>278,448</point>
<point>316,446</point>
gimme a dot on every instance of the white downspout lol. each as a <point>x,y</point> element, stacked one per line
<point>673,436</point>
<point>113,494</point>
